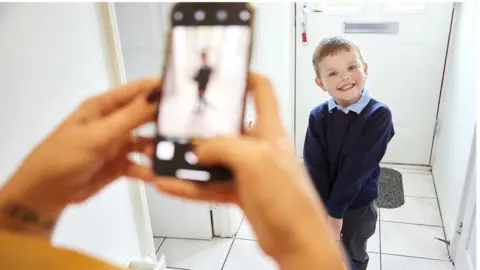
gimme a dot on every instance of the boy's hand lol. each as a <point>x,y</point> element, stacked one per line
<point>336,225</point>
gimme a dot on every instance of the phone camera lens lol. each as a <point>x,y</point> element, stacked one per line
<point>178,16</point>
<point>221,15</point>
<point>199,15</point>
<point>244,15</point>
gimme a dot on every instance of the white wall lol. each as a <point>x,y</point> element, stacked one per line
<point>51,58</point>
<point>273,53</point>
<point>142,28</point>
<point>457,115</point>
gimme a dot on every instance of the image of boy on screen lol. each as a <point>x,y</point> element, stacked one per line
<point>205,82</point>
<point>202,77</point>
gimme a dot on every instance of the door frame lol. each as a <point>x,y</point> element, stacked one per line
<point>138,198</point>
<point>470,178</point>
<point>432,149</point>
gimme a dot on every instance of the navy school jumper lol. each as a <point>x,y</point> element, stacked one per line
<point>342,152</point>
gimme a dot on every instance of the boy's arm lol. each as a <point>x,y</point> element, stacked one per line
<point>360,163</point>
<point>195,78</point>
<point>314,151</point>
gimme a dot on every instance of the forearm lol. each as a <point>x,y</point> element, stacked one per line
<point>313,260</point>
<point>315,248</point>
<point>307,243</point>
<point>22,210</point>
<point>17,216</point>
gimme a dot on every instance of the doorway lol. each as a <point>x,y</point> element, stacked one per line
<point>406,61</point>
<point>405,46</point>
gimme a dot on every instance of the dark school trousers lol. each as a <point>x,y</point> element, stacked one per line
<point>358,226</point>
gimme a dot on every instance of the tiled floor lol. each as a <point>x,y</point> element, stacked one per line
<point>404,240</point>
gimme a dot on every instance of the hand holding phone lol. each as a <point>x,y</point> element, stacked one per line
<point>204,85</point>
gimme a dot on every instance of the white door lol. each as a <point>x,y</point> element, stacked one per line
<point>142,28</point>
<point>405,67</point>
<point>464,242</point>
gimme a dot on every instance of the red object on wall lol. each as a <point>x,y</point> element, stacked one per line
<point>304,37</point>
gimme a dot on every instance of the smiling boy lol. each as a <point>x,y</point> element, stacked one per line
<point>347,137</point>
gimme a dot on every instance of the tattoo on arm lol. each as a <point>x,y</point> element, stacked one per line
<point>26,216</point>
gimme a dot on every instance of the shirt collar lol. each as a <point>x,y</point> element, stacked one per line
<point>356,107</point>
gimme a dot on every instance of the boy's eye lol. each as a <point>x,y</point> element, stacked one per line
<point>352,67</point>
<point>332,74</point>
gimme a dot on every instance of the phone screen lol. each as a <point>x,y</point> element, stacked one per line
<point>204,87</point>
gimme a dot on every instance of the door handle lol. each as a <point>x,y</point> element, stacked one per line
<point>306,9</point>
<point>303,19</point>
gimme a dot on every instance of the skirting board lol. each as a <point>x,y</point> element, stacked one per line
<point>409,168</point>
<point>147,265</point>
<point>226,220</point>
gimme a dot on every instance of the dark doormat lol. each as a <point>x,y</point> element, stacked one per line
<point>391,189</point>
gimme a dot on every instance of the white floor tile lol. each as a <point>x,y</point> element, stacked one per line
<point>418,185</point>
<point>390,262</point>
<point>415,210</point>
<point>246,254</point>
<point>413,240</point>
<point>158,241</point>
<point>373,244</point>
<point>374,262</point>
<point>246,231</point>
<point>196,254</point>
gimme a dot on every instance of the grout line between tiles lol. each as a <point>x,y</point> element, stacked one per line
<point>441,216</point>
<point>233,241</point>
<point>228,254</point>
<point>160,245</point>
<point>415,257</point>
<point>380,236</point>
<point>408,223</point>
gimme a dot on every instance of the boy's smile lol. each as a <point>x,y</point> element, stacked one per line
<point>346,87</point>
<point>343,75</point>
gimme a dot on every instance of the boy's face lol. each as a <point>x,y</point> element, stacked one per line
<point>343,76</point>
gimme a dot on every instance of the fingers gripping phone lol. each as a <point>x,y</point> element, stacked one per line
<point>204,84</point>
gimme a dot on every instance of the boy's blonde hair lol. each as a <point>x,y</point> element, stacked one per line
<point>330,46</point>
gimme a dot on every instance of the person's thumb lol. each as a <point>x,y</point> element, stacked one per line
<point>227,151</point>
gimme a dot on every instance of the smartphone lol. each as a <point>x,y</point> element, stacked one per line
<point>204,85</point>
